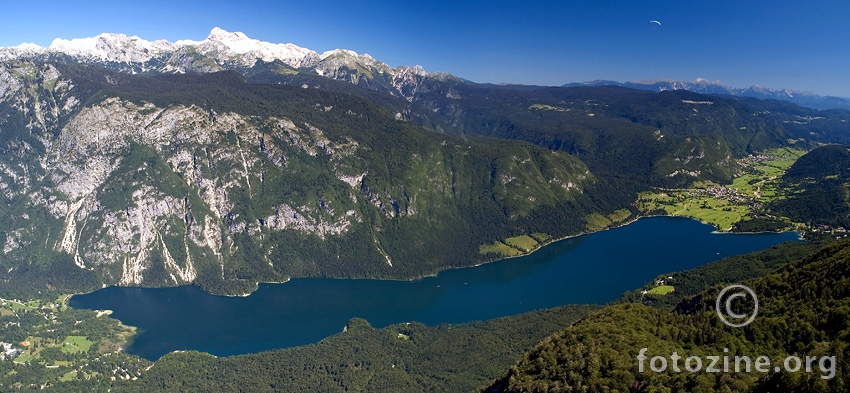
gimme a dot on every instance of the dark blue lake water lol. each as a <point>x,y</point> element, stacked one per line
<point>595,268</point>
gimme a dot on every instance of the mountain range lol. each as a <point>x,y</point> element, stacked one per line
<point>703,86</point>
<point>223,50</point>
<point>230,161</point>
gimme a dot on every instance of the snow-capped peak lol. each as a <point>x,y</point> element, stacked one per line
<point>27,46</point>
<point>111,47</point>
<point>219,34</point>
<point>236,41</point>
<point>342,52</point>
<point>703,81</point>
<point>75,45</point>
<point>220,50</point>
<point>240,44</point>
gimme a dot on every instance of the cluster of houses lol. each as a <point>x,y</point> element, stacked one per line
<point>839,232</point>
<point>727,193</point>
<point>754,159</point>
<point>9,352</point>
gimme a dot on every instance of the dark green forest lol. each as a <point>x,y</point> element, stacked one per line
<point>803,311</point>
<point>816,189</point>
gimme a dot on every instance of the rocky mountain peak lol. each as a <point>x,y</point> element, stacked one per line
<point>220,50</point>
<point>221,35</point>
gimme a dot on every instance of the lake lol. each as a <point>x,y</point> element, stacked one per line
<point>595,268</point>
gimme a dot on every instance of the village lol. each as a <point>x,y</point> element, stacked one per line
<point>729,194</point>
<point>54,343</point>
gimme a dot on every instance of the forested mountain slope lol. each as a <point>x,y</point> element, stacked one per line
<point>803,311</point>
<point>669,138</point>
<point>817,188</point>
<point>111,178</point>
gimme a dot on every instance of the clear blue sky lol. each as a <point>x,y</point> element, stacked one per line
<point>774,43</point>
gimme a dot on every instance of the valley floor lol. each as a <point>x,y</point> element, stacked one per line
<point>724,206</point>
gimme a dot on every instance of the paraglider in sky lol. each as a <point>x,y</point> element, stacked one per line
<point>654,24</point>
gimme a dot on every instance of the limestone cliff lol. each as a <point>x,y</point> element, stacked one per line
<point>138,192</point>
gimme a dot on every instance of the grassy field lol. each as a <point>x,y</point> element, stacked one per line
<point>18,307</point>
<point>517,245</point>
<point>24,358</point>
<point>541,237</point>
<point>72,375</point>
<point>30,354</point>
<point>597,222</point>
<point>723,206</point>
<point>74,344</point>
<point>620,215</point>
<point>69,376</point>
<point>661,290</point>
<point>688,203</point>
<point>499,248</point>
<point>762,179</point>
<point>524,243</point>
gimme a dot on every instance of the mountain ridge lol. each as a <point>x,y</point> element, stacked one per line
<point>226,175</point>
<point>704,86</point>
<point>205,178</point>
<point>222,49</point>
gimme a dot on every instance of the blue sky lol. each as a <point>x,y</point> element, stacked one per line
<point>777,43</point>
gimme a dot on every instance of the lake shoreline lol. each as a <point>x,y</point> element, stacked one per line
<point>437,273</point>
<point>615,226</point>
<point>591,270</point>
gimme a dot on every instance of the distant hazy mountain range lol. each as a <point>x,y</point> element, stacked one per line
<point>703,86</point>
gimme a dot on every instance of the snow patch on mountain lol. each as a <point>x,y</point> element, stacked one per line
<point>223,45</point>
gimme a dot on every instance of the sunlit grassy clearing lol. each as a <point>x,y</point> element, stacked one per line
<point>661,290</point>
<point>541,237</point>
<point>597,221</point>
<point>76,344</point>
<point>499,248</point>
<point>517,245</point>
<point>718,212</point>
<point>69,376</point>
<point>18,307</point>
<point>523,242</point>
